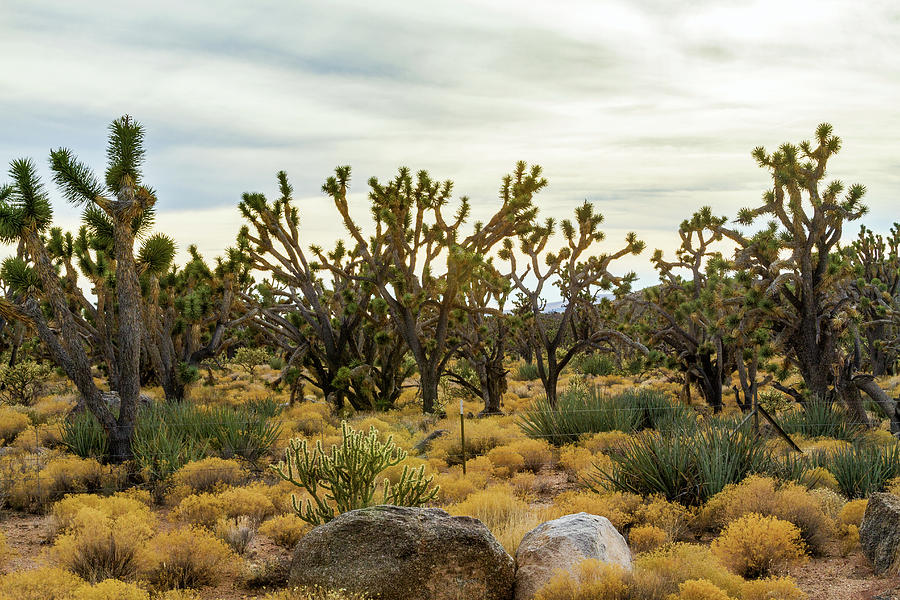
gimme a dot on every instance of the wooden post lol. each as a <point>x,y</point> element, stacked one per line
<point>462,433</point>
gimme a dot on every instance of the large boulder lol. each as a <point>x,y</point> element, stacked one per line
<point>879,533</point>
<point>561,545</point>
<point>402,553</point>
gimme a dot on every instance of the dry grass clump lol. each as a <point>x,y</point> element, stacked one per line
<point>237,532</point>
<point>764,496</point>
<point>285,530</point>
<point>757,546</point>
<point>211,474</point>
<point>184,558</point>
<point>508,517</point>
<point>100,542</point>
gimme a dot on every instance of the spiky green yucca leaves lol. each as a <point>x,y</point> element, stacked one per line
<point>686,468</point>
<point>24,204</point>
<point>345,478</point>
<point>862,469</point>
<point>582,411</point>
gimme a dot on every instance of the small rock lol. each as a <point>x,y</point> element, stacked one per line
<point>879,532</point>
<point>562,544</point>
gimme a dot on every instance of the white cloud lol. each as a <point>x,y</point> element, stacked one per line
<point>649,108</point>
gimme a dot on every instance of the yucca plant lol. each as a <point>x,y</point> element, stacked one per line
<point>83,435</point>
<point>821,419</point>
<point>862,469</point>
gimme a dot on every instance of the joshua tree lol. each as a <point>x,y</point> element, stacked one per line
<point>800,279</point>
<point>317,322</point>
<point>418,261</point>
<point>25,214</point>
<point>581,279</point>
<point>876,265</point>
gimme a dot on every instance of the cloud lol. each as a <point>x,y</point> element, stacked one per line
<point>648,108</point>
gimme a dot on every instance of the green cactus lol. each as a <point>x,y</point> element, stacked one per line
<point>345,478</point>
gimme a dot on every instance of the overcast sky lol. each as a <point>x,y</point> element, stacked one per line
<point>648,108</point>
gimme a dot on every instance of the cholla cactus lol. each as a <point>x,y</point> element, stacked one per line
<point>345,478</point>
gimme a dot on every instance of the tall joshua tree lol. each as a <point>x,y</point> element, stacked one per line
<point>26,213</point>
<point>420,262</point>
<point>581,279</point>
<point>875,260</point>
<point>795,264</point>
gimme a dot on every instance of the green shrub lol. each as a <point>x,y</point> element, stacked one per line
<point>249,358</point>
<point>245,434</point>
<point>581,410</point>
<point>685,468</point>
<point>527,372</point>
<point>23,382</point>
<point>820,419</point>
<point>595,364</point>
<point>862,470</point>
<point>83,435</point>
<point>345,478</point>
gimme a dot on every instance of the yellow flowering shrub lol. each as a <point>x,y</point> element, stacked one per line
<point>780,588</point>
<point>110,589</point>
<point>252,501</point>
<point>96,546</point>
<point>35,483</point>
<point>645,538</point>
<point>700,589</point>
<point>576,461</point>
<point>185,557</point>
<point>605,441</point>
<point>756,545</point>
<point>199,509</point>
<point>671,517</point>
<point>618,507</point>
<point>307,593</point>
<point>12,423</point>
<point>285,530</point>
<point>46,583</point>
<point>34,437</point>
<point>506,461</point>
<point>667,567</point>
<point>852,512</point>
<point>764,496</point>
<point>112,507</point>
<point>206,475</point>
<point>594,581</point>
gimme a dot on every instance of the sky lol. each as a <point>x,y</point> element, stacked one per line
<point>647,108</point>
